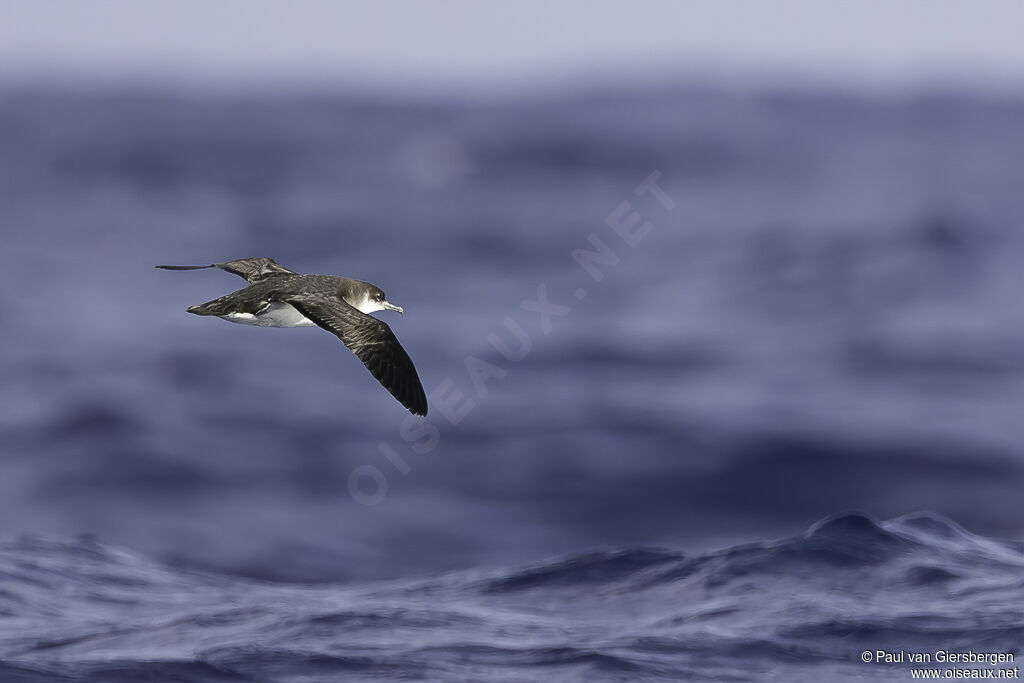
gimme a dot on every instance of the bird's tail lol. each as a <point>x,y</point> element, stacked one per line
<point>219,306</point>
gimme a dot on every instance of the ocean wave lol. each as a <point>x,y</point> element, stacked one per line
<point>88,612</point>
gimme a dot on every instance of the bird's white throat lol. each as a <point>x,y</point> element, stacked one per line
<point>368,305</point>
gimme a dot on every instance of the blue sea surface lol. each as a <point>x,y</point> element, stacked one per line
<point>803,608</point>
<point>658,326</point>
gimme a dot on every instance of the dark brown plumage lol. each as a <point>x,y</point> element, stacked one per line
<point>278,297</point>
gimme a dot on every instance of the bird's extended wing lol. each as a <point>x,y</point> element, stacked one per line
<point>372,341</point>
<point>252,269</point>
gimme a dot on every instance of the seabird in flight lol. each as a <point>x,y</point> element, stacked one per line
<point>278,297</point>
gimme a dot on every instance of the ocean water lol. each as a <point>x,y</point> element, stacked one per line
<point>661,328</point>
<point>801,608</point>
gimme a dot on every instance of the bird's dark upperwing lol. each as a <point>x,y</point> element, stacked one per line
<point>252,269</point>
<point>372,341</point>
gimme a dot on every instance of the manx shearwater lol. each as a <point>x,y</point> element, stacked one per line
<point>278,297</point>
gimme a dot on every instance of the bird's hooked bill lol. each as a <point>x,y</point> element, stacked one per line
<point>391,307</point>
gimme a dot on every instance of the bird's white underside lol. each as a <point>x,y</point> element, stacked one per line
<point>286,315</point>
<point>276,315</point>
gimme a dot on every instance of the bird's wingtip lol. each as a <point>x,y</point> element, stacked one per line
<point>212,265</point>
<point>418,408</point>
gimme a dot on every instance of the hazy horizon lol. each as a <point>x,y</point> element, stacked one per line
<point>458,46</point>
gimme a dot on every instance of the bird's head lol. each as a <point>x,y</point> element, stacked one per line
<point>374,300</point>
